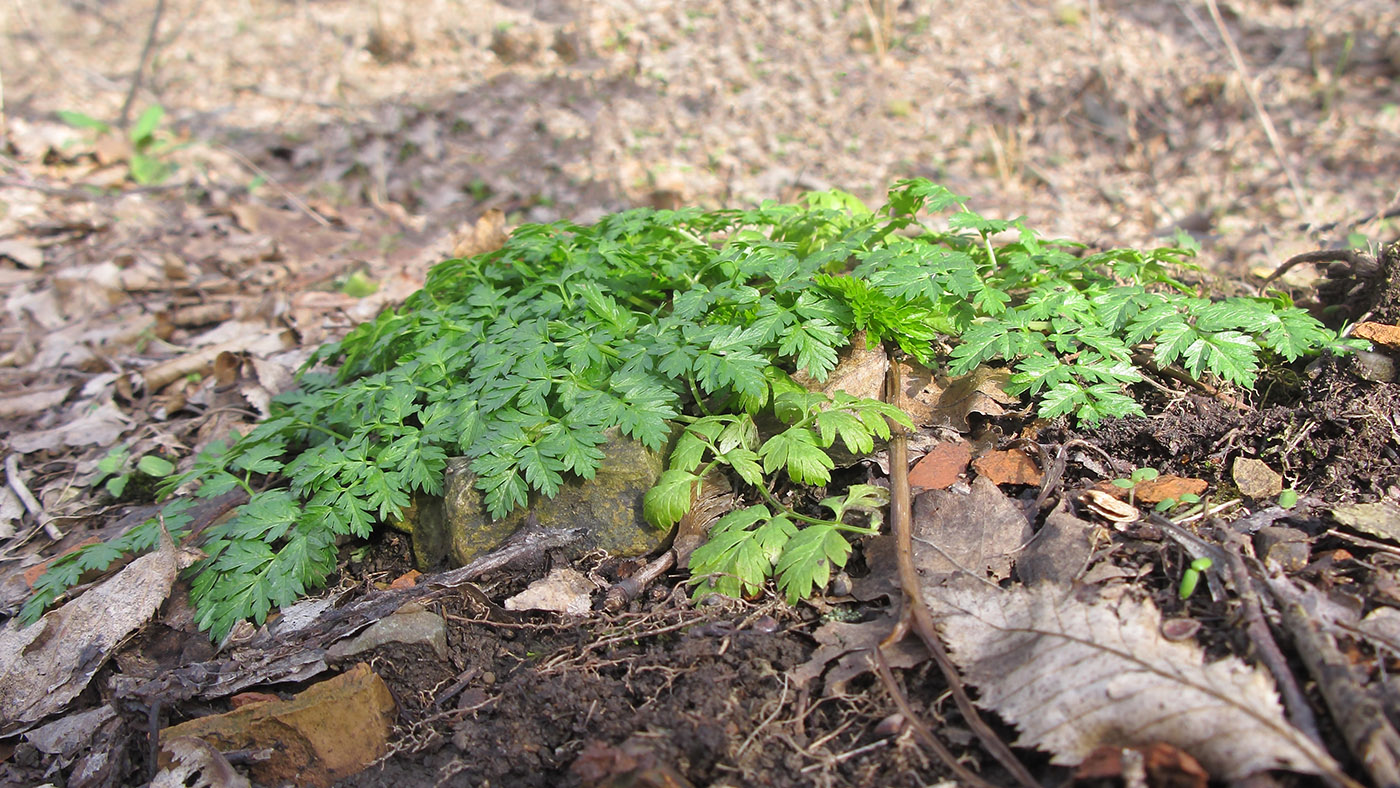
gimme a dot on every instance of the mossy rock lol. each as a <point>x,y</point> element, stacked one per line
<point>457,528</point>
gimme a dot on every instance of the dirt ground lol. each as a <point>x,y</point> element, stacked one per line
<point>316,141</point>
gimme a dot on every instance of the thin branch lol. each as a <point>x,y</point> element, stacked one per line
<point>1263,114</point>
<point>136,79</point>
<point>259,171</point>
<point>915,610</point>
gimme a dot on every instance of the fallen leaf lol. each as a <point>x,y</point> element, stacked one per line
<point>99,426</point>
<point>24,254</point>
<point>46,665</point>
<point>1110,508</point>
<point>1380,519</point>
<point>860,371</point>
<point>1059,551</point>
<point>942,466</point>
<point>1073,676</point>
<point>563,590</point>
<point>1012,466</point>
<point>487,235</point>
<point>979,532</point>
<point>1167,486</point>
<point>11,510</point>
<point>196,764</point>
<point>1380,333</point>
<point>846,647</point>
<point>981,391</point>
<point>32,402</point>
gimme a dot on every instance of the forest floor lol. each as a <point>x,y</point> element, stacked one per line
<point>314,159</point>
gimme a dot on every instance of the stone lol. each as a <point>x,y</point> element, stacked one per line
<point>318,737</point>
<point>409,625</point>
<point>1287,547</point>
<point>1255,479</point>
<point>608,507</point>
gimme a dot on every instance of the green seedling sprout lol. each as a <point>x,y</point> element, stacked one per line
<point>1133,480</point>
<point>1192,576</point>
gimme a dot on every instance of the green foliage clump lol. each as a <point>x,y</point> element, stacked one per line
<point>523,358</point>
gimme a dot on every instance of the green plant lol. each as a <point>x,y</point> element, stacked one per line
<point>1191,577</point>
<point>1190,500</point>
<point>523,358</point>
<point>147,163</point>
<point>115,470</point>
<point>1134,479</point>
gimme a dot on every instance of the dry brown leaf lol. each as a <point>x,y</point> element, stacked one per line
<point>197,764</point>
<point>860,371</point>
<point>1255,479</point>
<point>25,254</point>
<point>1012,466</point>
<point>942,466</point>
<point>979,532</point>
<point>1110,508</point>
<point>100,426</point>
<point>46,665</point>
<point>1380,333</point>
<point>1166,486</point>
<point>1074,675</point>
<point>32,402</point>
<point>979,391</point>
<point>844,652</point>
<point>487,235</point>
<point>563,590</point>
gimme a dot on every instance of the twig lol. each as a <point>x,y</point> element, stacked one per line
<point>920,729</point>
<point>1357,713</point>
<point>1360,263</point>
<point>1259,110</point>
<point>124,117</point>
<point>915,610</point>
<point>1257,627</point>
<point>260,172</point>
<point>31,504</point>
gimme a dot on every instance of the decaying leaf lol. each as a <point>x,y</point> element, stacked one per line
<point>1110,508</point>
<point>979,391</point>
<point>196,763</point>
<point>563,590</point>
<point>46,665</point>
<point>1380,519</point>
<point>979,532</point>
<point>844,652</point>
<point>1073,676</point>
<point>860,371</point>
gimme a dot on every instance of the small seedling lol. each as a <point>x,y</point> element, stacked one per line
<point>1190,500</point>
<point>1137,477</point>
<point>1288,499</point>
<point>147,163</point>
<point>1192,577</point>
<point>114,471</point>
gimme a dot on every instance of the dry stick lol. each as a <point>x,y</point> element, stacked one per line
<point>292,198</point>
<point>1357,713</point>
<point>139,76</point>
<point>1257,627</point>
<point>914,607</point>
<point>1259,110</point>
<point>31,504</point>
<point>920,729</point>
